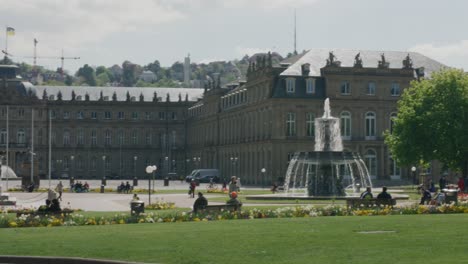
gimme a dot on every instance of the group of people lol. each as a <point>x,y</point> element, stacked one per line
<point>124,187</point>
<point>201,202</point>
<point>79,187</point>
<point>367,194</point>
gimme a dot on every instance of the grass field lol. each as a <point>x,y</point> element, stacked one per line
<point>379,239</point>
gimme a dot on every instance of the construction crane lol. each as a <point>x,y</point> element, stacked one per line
<point>62,58</point>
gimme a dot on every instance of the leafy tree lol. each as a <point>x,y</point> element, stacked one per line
<point>68,80</point>
<point>129,75</point>
<point>103,78</point>
<point>155,67</point>
<point>432,122</point>
<point>88,75</point>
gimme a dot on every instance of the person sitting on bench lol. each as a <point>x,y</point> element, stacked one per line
<point>367,194</point>
<point>200,203</point>
<point>234,200</point>
<point>384,194</point>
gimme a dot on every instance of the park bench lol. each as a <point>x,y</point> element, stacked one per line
<point>221,207</point>
<point>356,202</point>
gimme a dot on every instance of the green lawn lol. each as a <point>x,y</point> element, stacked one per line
<point>413,239</point>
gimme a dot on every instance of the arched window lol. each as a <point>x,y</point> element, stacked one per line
<point>345,123</point>
<point>395,171</point>
<point>392,121</point>
<point>66,138</point>
<point>371,162</point>
<point>370,125</point>
<point>21,136</point>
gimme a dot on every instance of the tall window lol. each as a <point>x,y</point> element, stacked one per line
<point>162,115</point>
<point>392,121</point>
<point>66,138</point>
<point>93,138</point>
<point>345,88</point>
<point>107,163</point>
<point>174,115</point>
<point>345,123</point>
<point>370,125</point>
<point>66,115</point>
<point>94,115</point>
<point>135,137</point>
<point>21,136</point>
<point>310,86</point>
<point>3,136</point>
<point>371,162</point>
<point>121,137</point>
<point>121,115</point>
<point>79,115</point>
<point>173,138</point>
<point>39,137</point>
<point>290,85</point>
<point>148,115</point>
<point>395,89</point>
<point>371,88</point>
<point>394,169</point>
<point>108,138</point>
<point>134,115</point>
<point>80,137</point>
<point>107,115</point>
<point>148,138</point>
<point>53,114</point>
<point>291,124</point>
<point>310,124</point>
<point>79,163</point>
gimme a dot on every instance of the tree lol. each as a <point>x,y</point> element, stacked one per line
<point>155,67</point>
<point>88,75</point>
<point>129,74</point>
<point>432,122</point>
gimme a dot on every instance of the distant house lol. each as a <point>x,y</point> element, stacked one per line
<point>148,76</point>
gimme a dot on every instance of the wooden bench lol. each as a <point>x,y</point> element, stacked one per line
<point>356,202</point>
<point>220,207</point>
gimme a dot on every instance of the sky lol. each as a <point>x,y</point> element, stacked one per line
<point>108,32</point>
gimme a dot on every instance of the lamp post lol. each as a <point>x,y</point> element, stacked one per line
<point>196,161</point>
<point>72,158</point>
<point>150,169</point>
<point>166,164</point>
<point>263,177</point>
<point>234,161</point>
<point>413,171</point>
<point>135,179</point>
<point>104,169</point>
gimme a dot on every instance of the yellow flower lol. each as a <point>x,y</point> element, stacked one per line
<point>121,221</point>
<point>12,224</point>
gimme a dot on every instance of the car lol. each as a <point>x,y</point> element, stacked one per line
<point>203,176</point>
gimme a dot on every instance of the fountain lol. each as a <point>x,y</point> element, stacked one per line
<point>327,170</point>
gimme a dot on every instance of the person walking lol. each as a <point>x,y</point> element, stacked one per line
<point>193,186</point>
<point>59,189</point>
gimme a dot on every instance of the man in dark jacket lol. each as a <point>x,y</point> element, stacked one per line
<point>200,203</point>
<point>384,194</point>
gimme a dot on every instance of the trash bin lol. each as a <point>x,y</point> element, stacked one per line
<point>104,181</point>
<point>137,207</point>
<point>102,188</point>
<point>451,195</point>
<point>135,182</point>
<point>166,181</point>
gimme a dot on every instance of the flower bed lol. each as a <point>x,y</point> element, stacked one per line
<point>77,219</point>
<point>160,205</point>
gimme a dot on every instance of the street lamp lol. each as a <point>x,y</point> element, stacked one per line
<point>166,165</point>
<point>150,169</point>
<point>104,170</point>
<point>72,158</point>
<point>234,161</point>
<point>413,171</point>
<point>135,180</point>
<point>263,177</point>
<point>196,160</point>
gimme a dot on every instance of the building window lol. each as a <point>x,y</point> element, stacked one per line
<point>39,137</point>
<point>79,115</point>
<point>310,86</point>
<point>370,125</point>
<point>93,138</point>
<point>148,138</point>
<point>53,114</point>
<point>174,115</point>
<point>371,162</point>
<point>79,163</point>
<point>371,88</point>
<point>66,115</point>
<point>134,115</point>
<point>21,136</point>
<point>162,115</point>
<point>21,112</point>
<point>290,85</point>
<point>310,124</point>
<point>345,88</point>
<point>66,138</point>
<point>107,163</point>
<point>135,137</point>
<point>121,137</point>
<point>80,138</point>
<point>108,138</point>
<point>107,115</point>
<point>393,116</point>
<point>121,115</point>
<point>3,136</point>
<point>148,115</point>
<point>395,89</point>
<point>345,124</point>
<point>173,139</point>
<point>93,115</point>
<point>395,171</point>
<point>291,124</point>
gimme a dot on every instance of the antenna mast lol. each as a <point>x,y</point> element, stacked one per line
<point>295,50</point>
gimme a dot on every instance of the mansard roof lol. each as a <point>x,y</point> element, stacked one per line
<point>94,92</point>
<point>317,58</point>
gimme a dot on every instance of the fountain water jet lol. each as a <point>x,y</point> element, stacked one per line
<point>325,171</point>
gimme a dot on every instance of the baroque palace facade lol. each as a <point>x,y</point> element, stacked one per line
<point>239,129</point>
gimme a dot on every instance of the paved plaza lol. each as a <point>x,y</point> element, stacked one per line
<point>106,201</point>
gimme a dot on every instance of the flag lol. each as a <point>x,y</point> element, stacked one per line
<point>10,31</point>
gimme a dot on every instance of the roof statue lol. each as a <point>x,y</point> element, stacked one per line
<point>155,97</point>
<point>383,64</point>
<point>358,60</point>
<point>142,98</point>
<point>59,96</point>
<point>180,97</point>
<point>407,62</point>
<point>186,97</point>
<point>87,96</point>
<point>114,96</point>
<point>331,61</point>
<point>44,95</point>
<point>128,96</point>
<point>73,95</point>
<point>101,96</point>
<point>168,98</point>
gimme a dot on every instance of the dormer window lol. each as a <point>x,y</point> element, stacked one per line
<point>79,98</point>
<point>132,99</point>
<point>290,85</point>
<point>310,86</point>
<point>106,98</point>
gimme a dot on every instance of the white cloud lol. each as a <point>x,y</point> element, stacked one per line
<point>452,54</point>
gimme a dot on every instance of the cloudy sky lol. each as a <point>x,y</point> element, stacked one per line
<point>107,32</point>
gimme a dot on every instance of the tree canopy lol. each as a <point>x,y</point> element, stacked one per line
<point>432,122</point>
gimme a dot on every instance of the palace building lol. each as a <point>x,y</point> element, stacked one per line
<point>91,132</point>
